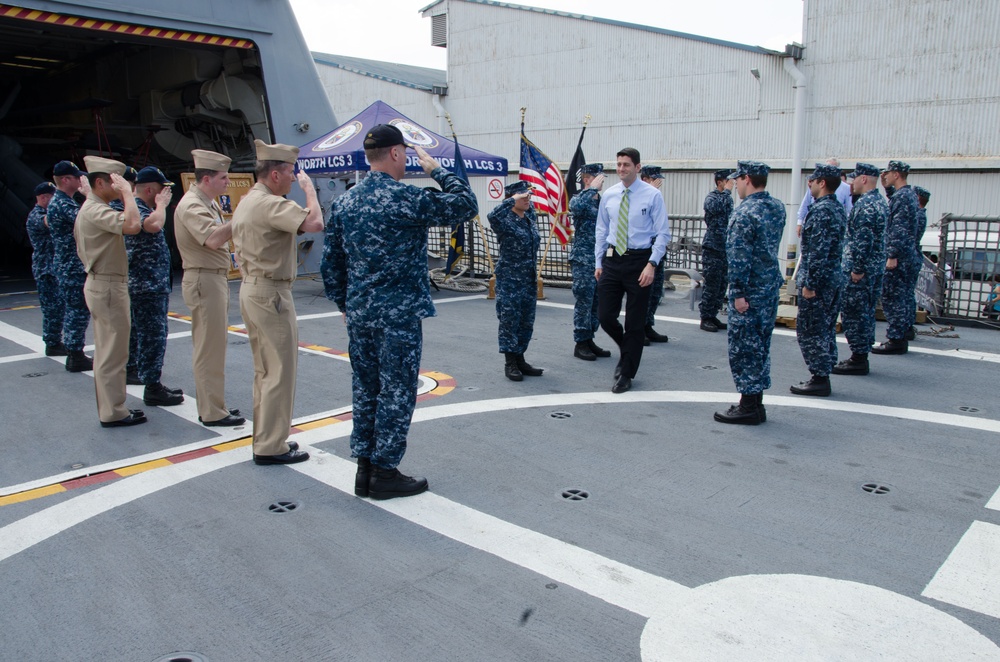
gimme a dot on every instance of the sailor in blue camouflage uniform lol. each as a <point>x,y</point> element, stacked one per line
<point>718,207</point>
<point>902,264</point>
<point>69,269</point>
<point>755,281</point>
<point>820,279</point>
<point>583,208</point>
<point>375,269</point>
<point>515,225</point>
<point>149,287</point>
<point>653,175</point>
<point>43,269</point>
<point>923,197</point>
<point>863,264</point>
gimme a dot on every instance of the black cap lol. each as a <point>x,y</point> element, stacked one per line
<point>152,175</point>
<point>45,187</point>
<point>383,135</point>
<point>66,168</point>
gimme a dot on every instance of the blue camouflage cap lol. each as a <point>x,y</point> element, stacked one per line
<point>922,192</point>
<point>755,168</point>
<point>45,187</point>
<point>864,169</point>
<point>898,166</point>
<point>723,174</point>
<point>651,172</point>
<point>824,170</point>
<point>520,186</point>
<point>592,169</point>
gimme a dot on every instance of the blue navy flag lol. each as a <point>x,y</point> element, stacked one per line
<point>456,245</point>
<point>548,192</point>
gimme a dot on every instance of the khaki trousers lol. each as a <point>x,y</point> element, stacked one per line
<point>206,293</point>
<point>269,314</point>
<point>108,301</point>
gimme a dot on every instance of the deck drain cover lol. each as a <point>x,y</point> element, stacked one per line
<point>560,414</point>
<point>709,367</point>
<point>965,408</point>
<point>42,374</point>
<point>574,494</point>
<point>182,656</point>
<point>471,388</point>
<point>283,506</point>
<point>875,488</point>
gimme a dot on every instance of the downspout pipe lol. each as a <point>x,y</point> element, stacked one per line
<point>798,130</point>
<point>436,101</point>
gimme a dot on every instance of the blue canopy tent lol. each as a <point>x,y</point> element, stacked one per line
<point>342,149</point>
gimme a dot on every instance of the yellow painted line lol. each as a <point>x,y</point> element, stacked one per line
<point>230,445</point>
<point>31,494</point>
<point>443,390</point>
<point>321,423</point>
<point>145,466</point>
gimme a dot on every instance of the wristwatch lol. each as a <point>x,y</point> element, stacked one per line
<point>652,264</point>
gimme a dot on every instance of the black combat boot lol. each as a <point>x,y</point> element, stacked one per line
<point>815,386</point>
<point>599,352</point>
<point>911,334</point>
<point>158,395</point>
<point>57,349</point>
<point>510,369</point>
<point>363,477</point>
<point>708,324</point>
<point>389,484</point>
<point>720,324</point>
<point>760,407</point>
<point>891,346</point>
<point>856,365</point>
<point>747,412</point>
<point>77,361</point>
<point>527,369</point>
<point>583,351</point>
<point>653,336</point>
<point>132,377</point>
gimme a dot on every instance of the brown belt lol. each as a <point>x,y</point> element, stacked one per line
<point>199,270</point>
<point>261,280</point>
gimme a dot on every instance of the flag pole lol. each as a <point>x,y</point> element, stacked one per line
<point>540,291</point>
<point>454,137</point>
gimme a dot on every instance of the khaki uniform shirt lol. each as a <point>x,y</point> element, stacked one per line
<point>264,230</point>
<point>197,216</point>
<point>99,241</point>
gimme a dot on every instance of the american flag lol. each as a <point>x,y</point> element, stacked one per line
<point>548,189</point>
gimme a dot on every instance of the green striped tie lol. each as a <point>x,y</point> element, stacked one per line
<point>621,232</point>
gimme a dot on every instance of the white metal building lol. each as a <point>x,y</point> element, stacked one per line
<point>874,80</point>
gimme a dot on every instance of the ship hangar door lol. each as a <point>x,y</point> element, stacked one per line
<point>71,86</point>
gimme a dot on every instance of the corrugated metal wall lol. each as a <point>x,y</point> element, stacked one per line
<point>916,80</point>
<point>675,99</point>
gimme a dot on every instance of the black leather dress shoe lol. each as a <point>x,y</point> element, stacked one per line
<point>58,349</point>
<point>135,417</point>
<point>598,351</point>
<point>708,325</point>
<point>645,342</point>
<point>653,336</point>
<point>618,370</point>
<point>582,351</point>
<point>291,457</point>
<point>227,422</point>
<point>622,384</point>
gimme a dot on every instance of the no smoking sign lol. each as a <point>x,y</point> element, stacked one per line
<point>495,189</point>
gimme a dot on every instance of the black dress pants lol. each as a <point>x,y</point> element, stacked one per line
<point>620,279</point>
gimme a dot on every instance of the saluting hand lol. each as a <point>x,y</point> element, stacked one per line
<point>120,184</point>
<point>163,197</point>
<point>85,186</point>
<point>427,162</point>
<point>305,182</point>
<point>597,182</point>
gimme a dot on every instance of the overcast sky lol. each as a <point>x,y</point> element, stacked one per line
<point>347,27</point>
